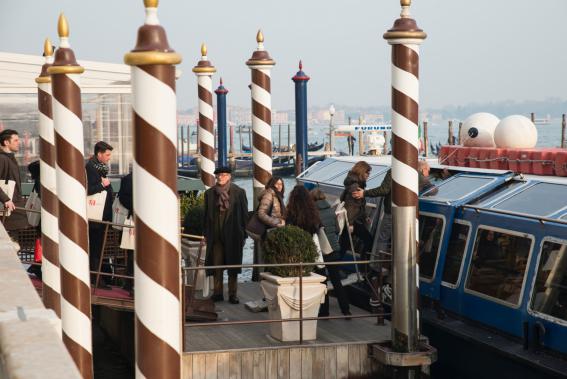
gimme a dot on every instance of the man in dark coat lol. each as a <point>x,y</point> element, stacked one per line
<point>226,214</point>
<point>97,181</point>
<point>9,170</point>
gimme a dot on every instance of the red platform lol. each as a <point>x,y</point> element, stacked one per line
<point>537,161</point>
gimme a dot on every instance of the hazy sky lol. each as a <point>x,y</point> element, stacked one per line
<point>476,50</point>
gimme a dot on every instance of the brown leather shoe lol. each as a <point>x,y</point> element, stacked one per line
<point>233,299</point>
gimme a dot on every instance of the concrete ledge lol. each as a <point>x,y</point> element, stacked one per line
<point>30,335</point>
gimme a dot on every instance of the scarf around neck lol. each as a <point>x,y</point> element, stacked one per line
<point>100,167</point>
<point>223,197</point>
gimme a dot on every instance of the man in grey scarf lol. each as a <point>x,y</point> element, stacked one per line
<point>226,214</point>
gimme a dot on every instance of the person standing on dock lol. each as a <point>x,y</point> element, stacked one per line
<point>350,143</point>
<point>97,181</point>
<point>9,170</point>
<point>226,214</point>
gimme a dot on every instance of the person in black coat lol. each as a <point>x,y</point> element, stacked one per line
<point>125,196</point>
<point>97,181</point>
<point>226,214</point>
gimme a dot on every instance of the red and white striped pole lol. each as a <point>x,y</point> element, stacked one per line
<point>204,71</point>
<point>260,65</point>
<point>405,38</point>
<point>157,270</point>
<point>49,228</point>
<point>72,204</point>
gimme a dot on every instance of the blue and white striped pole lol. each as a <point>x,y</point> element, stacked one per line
<point>300,80</point>
<point>221,125</point>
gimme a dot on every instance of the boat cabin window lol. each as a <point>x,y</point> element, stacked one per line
<point>498,264</point>
<point>490,197</point>
<point>377,172</point>
<point>550,289</point>
<point>455,252</point>
<point>376,180</point>
<point>329,171</point>
<point>430,233</point>
<point>541,199</point>
<point>458,187</point>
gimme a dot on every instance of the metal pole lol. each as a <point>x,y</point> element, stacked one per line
<point>301,145</point>
<point>331,133</point>
<point>204,71</point>
<point>260,64</point>
<point>157,270</point>
<point>280,142</point>
<point>49,213</point>
<point>532,117</point>
<point>425,139</point>
<point>563,127</point>
<point>288,137</point>
<point>460,130</point>
<point>221,124</point>
<point>450,138</point>
<point>72,196</point>
<point>405,38</point>
<point>240,136</point>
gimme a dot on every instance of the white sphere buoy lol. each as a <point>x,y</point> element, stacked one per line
<point>478,130</point>
<point>515,131</point>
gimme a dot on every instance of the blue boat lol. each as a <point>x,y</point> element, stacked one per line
<point>492,265</point>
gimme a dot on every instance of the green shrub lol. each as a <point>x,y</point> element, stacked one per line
<point>289,244</point>
<point>192,206</point>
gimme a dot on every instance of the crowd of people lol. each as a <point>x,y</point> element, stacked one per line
<point>226,216</point>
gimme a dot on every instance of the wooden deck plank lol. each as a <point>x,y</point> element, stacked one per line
<point>342,362</point>
<point>272,364</point>
<point>222,338</point>
<point>318,363</point>
<point>187,366</point>
<point>247,359</point>
<point>260,364</point>
<point>211,362</point>
<point>306,362</point>
<point>330,362</point>
<point>199,366</point>
<point>294,363</point>
<point>223,366</point>
<point>283,363</point>
<point>353,360</point>
<point>234,366</point>
<point>365,361</point>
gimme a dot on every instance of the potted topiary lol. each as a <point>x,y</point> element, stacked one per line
<point>290,244</point>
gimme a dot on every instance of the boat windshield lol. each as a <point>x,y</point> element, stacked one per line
<point>542,199</point>
<point>328,171</point>
<point>458,187</point>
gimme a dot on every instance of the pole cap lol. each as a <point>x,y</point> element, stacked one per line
<point>260,57</point>
<point>65,62</point>
<point>405,27</point>
<point>204,66</point>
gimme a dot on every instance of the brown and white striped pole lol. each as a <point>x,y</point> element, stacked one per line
<point>72,203</point>
<point>204,71</point>
<point>157,270</point>
<point>49,228</point>
<point>260,65</point>
<point>405,38</point>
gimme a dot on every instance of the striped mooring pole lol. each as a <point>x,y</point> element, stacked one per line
<point>405,38</point>
<point>221,125</point>
<point>157,271</point>
<point>301,140</point>
<point>51,293</point>
<point>260,65</point>
<point>72,203</point>
<point>204,71</point>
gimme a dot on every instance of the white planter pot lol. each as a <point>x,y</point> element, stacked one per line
<point>282,296</point>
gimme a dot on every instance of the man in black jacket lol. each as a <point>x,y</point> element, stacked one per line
<point>9,170</point>
<point>97,181</point>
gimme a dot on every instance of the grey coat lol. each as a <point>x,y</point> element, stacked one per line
<point>329,222</point>
<point>233,231</point>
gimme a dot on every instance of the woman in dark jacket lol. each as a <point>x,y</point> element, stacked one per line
<point>329,223</point>
<point>356,208</point>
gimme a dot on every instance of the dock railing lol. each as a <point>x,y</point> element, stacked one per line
<point>26,239</point>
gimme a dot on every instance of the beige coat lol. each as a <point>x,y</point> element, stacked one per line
<point>268,199</point>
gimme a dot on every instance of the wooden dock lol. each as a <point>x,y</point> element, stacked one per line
<point>341,349</point>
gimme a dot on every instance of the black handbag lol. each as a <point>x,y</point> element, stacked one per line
<point>255,228</point>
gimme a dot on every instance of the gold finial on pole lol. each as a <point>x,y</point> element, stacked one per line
<point>62,26</point>
<point>151,3</point>
<point>203,49</point>
<point>260,36</point>
<point>47,48</point>
<point>405,3</point>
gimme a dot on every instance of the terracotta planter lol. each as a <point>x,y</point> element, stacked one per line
<point>282,296</point>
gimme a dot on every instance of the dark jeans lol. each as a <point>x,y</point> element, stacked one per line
<point>96,235</point>
<point>361,232</point>
<point>333,274</point>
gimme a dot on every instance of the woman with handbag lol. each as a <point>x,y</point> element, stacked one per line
<point>329,228</point>
<point>270,213</point>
